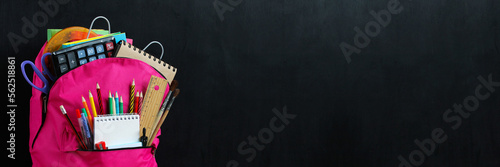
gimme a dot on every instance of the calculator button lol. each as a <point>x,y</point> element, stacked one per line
<point>90,51</point>
<point>72,60</point>
<point>99,48</point>
<point>64,68</point>
<point>81,53</point>
<point>61,59</point>
<point>110,46</point>
<point>101,56</point>
<point>92,58</point>
<point>83,61</point>
<point>110,54</point>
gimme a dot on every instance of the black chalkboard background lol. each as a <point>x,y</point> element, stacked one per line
<point>286,55</point>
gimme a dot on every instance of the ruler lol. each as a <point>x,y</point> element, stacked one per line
<point>152,102</point>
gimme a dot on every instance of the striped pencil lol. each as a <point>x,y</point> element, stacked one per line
<point>132,93</point>
<point>101,110</point>
<point>140,103</point>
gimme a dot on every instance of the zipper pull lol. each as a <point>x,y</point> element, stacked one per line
<point>44,105</point>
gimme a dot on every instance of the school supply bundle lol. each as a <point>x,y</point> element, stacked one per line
<point>88,99</point>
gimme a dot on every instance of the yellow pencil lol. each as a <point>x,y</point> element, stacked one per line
<point>91,98</point>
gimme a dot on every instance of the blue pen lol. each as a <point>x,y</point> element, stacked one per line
<point>86,128</point>
<point>117,103</point>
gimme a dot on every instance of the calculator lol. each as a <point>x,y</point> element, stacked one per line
<point>67,59</point>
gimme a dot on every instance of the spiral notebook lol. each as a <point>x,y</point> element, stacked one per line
<point>128,50</point>
<point>117,131</point>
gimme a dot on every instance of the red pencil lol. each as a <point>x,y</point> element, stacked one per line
<point>101,111</point>
<point>136,102</point>
<point>140,103</point>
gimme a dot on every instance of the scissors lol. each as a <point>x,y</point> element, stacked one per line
<point>46,86</point>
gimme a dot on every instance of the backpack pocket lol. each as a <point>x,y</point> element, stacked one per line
<point>74,156</point>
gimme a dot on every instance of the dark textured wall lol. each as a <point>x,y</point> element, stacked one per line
<point>253,57</point>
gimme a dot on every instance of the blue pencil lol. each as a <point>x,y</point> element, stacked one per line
<point>117,103</point>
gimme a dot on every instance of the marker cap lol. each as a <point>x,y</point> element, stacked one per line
<point>78,113</point>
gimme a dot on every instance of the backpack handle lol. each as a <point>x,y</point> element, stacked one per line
<point>156,42</point>
<point>92,24</point>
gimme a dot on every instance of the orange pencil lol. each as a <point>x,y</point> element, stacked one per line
<point>87,111</point>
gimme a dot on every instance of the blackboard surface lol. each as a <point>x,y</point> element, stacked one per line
<point>302,83</point>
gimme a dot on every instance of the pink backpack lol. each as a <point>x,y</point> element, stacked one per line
<point>53,142</point>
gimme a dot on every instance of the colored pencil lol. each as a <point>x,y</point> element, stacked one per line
<point>89,116</point>
<point>121,104</point>
<point>141,98</point>
<point>132,93</point>
<point>136,102</point>
<point>117,103</point>
<point>101,110</point>
<point>111,103</point>
<point>92,104</point>
<point>114,106</point>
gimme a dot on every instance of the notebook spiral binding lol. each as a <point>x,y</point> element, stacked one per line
<point>109,118</point>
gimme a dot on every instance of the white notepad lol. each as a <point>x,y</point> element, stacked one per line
<point>117,130</point>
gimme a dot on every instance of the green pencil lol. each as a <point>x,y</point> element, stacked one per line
<point>111,104</point>
<point>121,104</point>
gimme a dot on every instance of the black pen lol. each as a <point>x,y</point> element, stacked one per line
<point>72,127</point>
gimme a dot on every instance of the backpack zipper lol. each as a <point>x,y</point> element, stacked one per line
<point>118,149</point>
<point>44,112</point>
